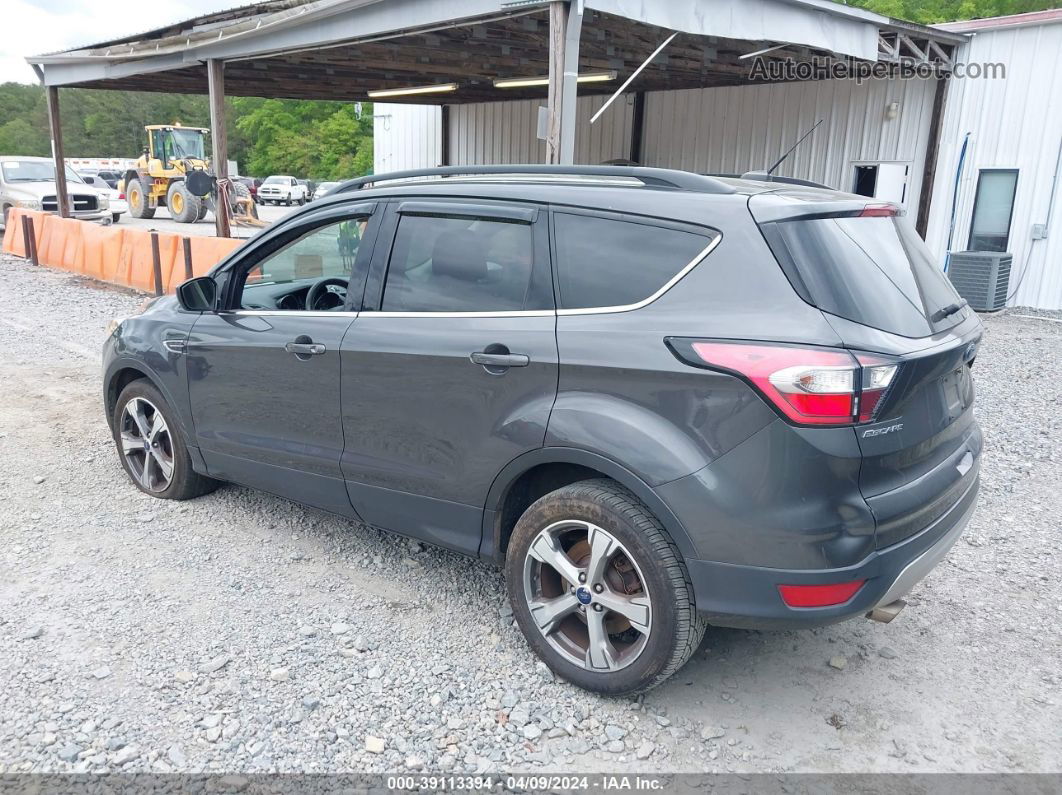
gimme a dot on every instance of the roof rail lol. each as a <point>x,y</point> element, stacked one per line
<point>763,176</point>
<point>653,177</point>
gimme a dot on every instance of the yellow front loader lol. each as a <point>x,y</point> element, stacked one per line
<point>174,172</point>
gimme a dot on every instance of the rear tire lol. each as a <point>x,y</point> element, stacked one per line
<point>115,217</point>
<point>654,628</point>
<point>151,448</point>
<point>138,200</point>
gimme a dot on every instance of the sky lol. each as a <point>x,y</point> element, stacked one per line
<point>32,27</point>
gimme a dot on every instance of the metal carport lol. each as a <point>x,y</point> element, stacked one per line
<point>345,49</point>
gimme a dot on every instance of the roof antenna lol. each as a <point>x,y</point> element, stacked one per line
<point>780,160</point>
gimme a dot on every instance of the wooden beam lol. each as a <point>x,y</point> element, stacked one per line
<point>61,197</point>
<point>558,22</point>
<point>929,170</point>
<point>220,143</point>
<point>638,127</point>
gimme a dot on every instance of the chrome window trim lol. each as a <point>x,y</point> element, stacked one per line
<point>605,310</point>
<point>512,313</point>
<point>285,313</point>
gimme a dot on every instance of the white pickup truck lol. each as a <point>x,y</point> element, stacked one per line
<point>282,190</point>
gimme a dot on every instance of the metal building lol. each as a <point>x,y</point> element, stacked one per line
<point>1009,177</point>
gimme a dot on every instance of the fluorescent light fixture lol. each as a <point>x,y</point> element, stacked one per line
<point>528,82</point>
<point>439,88</point>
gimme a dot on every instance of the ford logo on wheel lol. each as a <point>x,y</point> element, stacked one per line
<point>583,595</point>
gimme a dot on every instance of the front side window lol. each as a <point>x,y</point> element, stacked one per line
<point>311,273</point>
<point>607,262</point>
<point>993,206</point>
<point>450,264</point>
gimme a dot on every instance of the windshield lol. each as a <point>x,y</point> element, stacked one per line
<point>184,143</point>
<point>34,171</point>
<point>275,180</point>
<point>872,270</point>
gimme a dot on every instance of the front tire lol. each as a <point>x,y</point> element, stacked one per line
<point>184,205</point>
<point>138,200</point>
<point>600,590</point>
<point>150,446</point>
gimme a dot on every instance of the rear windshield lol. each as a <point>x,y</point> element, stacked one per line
<point>872,270</point>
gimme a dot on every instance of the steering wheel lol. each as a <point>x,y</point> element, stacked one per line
<point>320,299</point>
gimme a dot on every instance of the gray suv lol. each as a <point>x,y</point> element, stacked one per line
<point>659,400</point>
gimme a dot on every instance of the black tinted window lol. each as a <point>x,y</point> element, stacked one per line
<point>459,265</point>
<point>609,262</point>
<point>873,270</point>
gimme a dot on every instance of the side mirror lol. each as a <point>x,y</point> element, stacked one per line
<point>198,295</point>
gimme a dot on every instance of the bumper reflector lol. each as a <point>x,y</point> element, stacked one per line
<point>819,595</point>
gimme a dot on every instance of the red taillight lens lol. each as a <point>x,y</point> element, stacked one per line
<point>121,195</point>
<point>810,386</point>
<point>819,595</point>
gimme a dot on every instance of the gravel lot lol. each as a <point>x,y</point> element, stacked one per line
<point>242,633</point>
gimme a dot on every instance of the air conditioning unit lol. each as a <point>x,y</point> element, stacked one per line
<point>981,277</point>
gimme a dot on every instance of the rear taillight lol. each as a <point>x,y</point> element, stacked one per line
<point>810,386</point>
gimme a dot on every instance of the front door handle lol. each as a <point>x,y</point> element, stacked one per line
<point>303,347</point>
<point>500,359</point>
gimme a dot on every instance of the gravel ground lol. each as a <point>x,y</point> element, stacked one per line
<point>242,633</point>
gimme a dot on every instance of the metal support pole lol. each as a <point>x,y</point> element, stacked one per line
<point>186,243</point>
<point>156,261</point>
<point>219,140</point>
<point>573,30</point>
<point>29,239</point>
<point>61,197</point>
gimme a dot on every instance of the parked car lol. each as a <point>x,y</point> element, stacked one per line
<point>119,206</point>
<point>743,404</point>
<point>309,186</point>
<point>282,190</point>
<point>323,189</point>
<point>30,182</point>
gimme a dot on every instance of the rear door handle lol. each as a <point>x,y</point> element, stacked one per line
<point>500,359</point>
<point>304,349</point>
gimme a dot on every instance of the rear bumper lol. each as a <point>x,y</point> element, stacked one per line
<point>747,596</point>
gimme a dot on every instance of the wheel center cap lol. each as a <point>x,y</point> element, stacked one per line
<point>147,446</point>
<point>582,593</point>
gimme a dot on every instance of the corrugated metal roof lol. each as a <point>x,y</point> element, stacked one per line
<point>1047,17</point>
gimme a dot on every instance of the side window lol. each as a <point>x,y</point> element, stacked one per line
<point>993,206</point>
<point>448,264</point>
<point>283,279</point>
<point>603,262</point>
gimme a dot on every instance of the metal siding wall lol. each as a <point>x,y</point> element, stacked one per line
<point>1013,123</point>
<point>506,132</point>
<point>405,137</point>
<point>736,129</point>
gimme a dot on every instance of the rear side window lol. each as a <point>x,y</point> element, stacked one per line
<point>872,270</point>
<point>605,262</point>
<point>443,264</point>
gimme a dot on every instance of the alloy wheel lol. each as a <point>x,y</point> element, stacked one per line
<point>587,596</point>
<point>147,444</point>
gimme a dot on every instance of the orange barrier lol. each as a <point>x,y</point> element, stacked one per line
<point>120,255</point>
<point>13,242</point>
